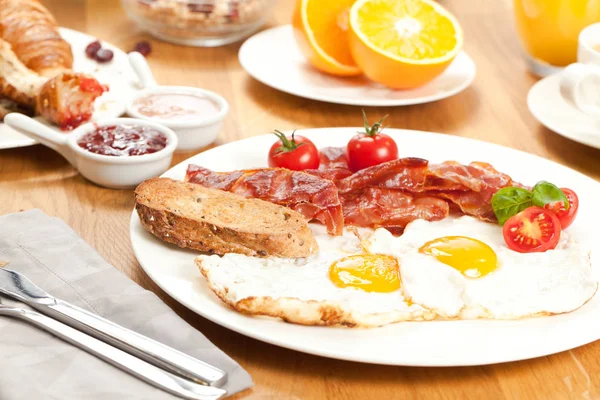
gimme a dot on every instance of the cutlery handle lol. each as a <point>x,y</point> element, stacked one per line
<point>132,342</point>
<point>155,376</point>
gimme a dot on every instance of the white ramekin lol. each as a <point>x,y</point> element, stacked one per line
<point>110,171</point>
<point>193,134</point>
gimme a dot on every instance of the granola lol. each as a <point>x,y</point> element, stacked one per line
<point>191,19</point>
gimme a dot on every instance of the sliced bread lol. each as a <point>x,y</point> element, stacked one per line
<point>218,222</point>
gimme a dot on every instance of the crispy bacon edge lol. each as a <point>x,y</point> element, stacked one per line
<point>279,186</point>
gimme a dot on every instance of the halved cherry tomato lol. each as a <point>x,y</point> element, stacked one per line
<point>566,217</point>
<point>534,229</point>
<point>294,152</point>
<point>371,147</point>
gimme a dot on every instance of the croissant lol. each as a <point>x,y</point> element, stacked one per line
<point>32,32</point>
<point>31,51</point>
<point>66,100</point>
<point>17,82</point>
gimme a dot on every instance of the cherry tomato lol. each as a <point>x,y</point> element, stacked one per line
<point>566,217</point>
<point>534,229</point>
<point>294,152</point>
<point>371,147</point>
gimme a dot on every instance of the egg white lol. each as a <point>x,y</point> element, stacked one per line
<point>300,291</point>
<point>523,284</point>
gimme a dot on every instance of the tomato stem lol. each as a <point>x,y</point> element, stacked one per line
<point>375,128</point>
<point>287,145</point>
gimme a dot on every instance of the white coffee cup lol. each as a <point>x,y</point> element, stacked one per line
<point>580,82</point>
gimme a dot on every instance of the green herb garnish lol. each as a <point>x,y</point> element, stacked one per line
<point>510,201</point>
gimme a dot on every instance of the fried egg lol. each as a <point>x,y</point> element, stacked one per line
<point>340,285</point>
<point>461,268</point>
<point>457,268</point>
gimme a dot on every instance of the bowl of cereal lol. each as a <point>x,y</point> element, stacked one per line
<point>205,23</point>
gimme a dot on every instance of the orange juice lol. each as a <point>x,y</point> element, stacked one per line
<point>549,28</point>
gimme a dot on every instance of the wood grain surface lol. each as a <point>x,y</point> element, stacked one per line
<point>492,109</point>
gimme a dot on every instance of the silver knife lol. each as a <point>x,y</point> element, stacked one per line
<point>164,380</point>
<point>20,288</point>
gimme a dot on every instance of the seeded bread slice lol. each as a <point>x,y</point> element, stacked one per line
<point>218,222</point>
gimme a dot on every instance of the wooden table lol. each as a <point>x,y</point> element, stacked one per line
<point>493,109</point>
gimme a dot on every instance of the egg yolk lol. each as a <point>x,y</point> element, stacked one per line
<point>369,272</point>
<point>471,257</point>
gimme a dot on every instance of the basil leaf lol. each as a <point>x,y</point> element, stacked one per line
<point>510,201</point>
<point>547,193</point>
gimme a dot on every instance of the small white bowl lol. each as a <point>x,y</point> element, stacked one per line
<point>110,171</point>
<point>195,133</point>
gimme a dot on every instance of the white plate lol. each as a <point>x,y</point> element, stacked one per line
<point>273,58</point>
<point>438,343</point>
<point>555,113</point>
<point>117,74</point>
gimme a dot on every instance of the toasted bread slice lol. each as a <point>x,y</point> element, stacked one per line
<point>218,222</point>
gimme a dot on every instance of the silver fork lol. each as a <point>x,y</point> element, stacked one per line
<point>141,369</point>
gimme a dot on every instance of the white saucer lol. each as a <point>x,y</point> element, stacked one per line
<point>551,110</point>
<point>118,74</point>
<point>273,58</point>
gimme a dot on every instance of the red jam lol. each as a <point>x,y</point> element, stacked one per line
<point>123,140</point>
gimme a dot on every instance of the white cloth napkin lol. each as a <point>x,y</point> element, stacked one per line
<point>37,365</point>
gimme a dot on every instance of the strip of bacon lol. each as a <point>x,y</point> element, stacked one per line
<point>416,175</point>
<point>334,174</point>
<point>478,176</point>
<point>482,180</point>
<point>333,164</point>
<point>470,187</point>
<point>313,197</point>
<point>388,195</point>
<point>333,157</point>
<point>470,203</point>
<point>408,174</point>
<point>391,209</point>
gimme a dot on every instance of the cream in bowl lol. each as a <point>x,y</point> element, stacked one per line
<point>176,106</point>
<point>196,115</point>
<point>117,153</point>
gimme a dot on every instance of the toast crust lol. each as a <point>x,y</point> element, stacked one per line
<point>218,222</point>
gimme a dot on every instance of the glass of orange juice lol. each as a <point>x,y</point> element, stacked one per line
<point>549,30</point>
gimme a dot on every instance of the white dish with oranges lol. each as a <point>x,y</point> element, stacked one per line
<point>365,52</point>
<point>524,306</point>
<point>288,71</point>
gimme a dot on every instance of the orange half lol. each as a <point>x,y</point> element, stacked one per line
<point>403,44</point>
<point>321,31</point>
